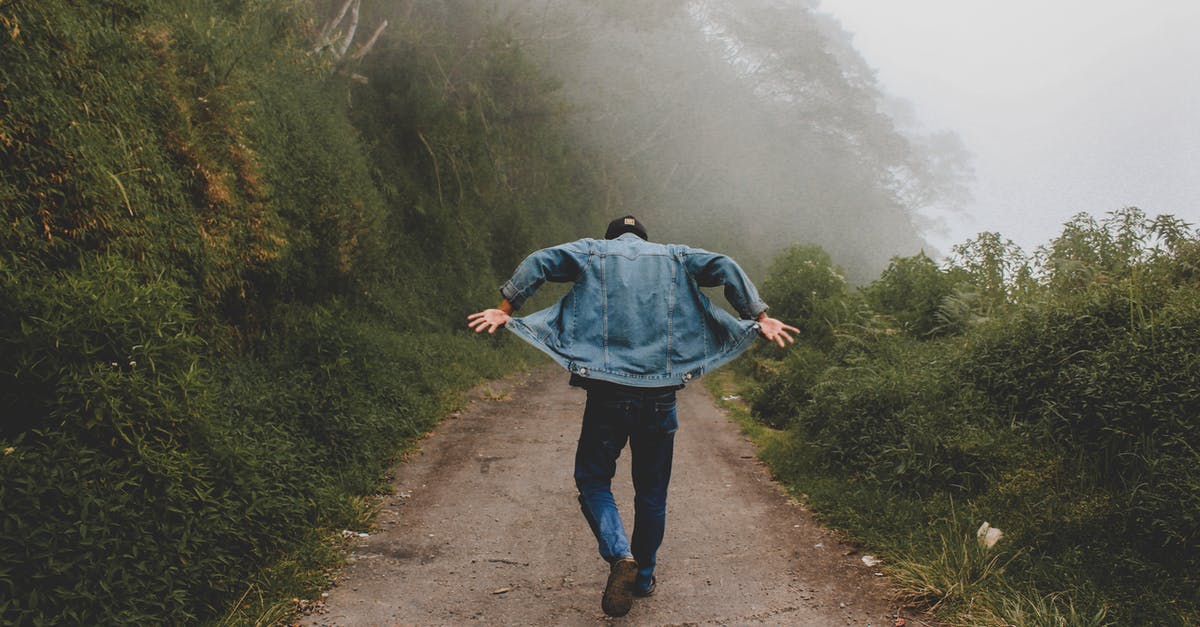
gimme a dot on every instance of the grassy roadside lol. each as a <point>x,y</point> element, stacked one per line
<point>930,546</point>
<point>234,280</point>
<point>292,587</point>
<point>1050,396</point>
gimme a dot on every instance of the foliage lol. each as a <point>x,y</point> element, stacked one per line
<point>804,285</point>
<point>914,292</point>
<point>997,269</point>
<point>1091,252</point>
<point>785,385</point>
<point>1055,396</point>
<point>232,285</point>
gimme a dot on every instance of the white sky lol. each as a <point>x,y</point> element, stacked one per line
<point>1067,105</point>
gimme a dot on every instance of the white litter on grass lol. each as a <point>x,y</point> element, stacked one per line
<point>988,535</point>
<point>730,397</point>
<point>871,560</point>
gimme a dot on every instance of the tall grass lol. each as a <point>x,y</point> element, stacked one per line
<point>958,571</point>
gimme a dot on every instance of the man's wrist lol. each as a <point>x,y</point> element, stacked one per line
<point>511,295</point>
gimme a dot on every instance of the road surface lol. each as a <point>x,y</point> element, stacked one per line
<point>484,528</point>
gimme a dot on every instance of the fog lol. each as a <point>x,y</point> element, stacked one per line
<point>744,126</point>
<point>877,129</point>
<point>1067,106</point>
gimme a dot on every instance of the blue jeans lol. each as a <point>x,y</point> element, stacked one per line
<point>645,418</point>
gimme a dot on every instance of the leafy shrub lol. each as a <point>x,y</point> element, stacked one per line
<point>898,417</point>
<point>785,385</point>
<point>228,296</point>
<point>102,495</point>
<point>1056,396</point>
<point>1118,395</point>
<point>804,288</point>
<point>998,270</point>
<point>913,290</point>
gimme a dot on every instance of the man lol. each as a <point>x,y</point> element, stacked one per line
<point>633,329</point>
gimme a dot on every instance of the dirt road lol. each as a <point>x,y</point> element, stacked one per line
<point>484,528</point>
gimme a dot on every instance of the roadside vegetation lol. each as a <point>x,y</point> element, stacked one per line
<point>233,271</point>
<point>1055,396</point>
<point>237,252</point>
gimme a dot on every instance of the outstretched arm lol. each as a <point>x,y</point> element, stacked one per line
<point>558,263</point>
<point>775,330</point>
<point>491,319</point>
<point>713,269</point>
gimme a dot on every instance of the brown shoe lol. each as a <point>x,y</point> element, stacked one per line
<point>618,593</point>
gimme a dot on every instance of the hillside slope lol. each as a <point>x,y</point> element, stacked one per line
<point>232,283</point>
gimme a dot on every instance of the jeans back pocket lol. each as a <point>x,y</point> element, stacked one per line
<point>666,419</point>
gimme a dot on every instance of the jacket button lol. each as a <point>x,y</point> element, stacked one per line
<point>583,372</point>
<point>687,377</point>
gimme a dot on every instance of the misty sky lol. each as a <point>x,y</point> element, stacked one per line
<point>1067,105</point>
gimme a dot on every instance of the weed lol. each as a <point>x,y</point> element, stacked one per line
<point>1047,610</point>
<point>957,573</point>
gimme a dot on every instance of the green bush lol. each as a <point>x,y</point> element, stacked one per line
<point>233,284</point>
<point>1118,398</point>
<point>1056,397</point>
<point>785,384</point>
<point>102,493</point>
<point>804,288</point>
<point>895,415</point>
<point>913,291</point>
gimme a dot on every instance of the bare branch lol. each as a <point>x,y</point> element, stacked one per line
<point>327,30</point>
<point>349,37</point>
<point>365,48</point>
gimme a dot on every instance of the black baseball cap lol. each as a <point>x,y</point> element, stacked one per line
<point>626,224</point>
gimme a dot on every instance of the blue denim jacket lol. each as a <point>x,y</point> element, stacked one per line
<point>636,315</point>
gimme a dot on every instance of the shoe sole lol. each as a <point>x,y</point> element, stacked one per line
<point>618,593</point>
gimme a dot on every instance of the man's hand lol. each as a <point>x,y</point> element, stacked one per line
<point>776,331</point>
<point>488,320</point>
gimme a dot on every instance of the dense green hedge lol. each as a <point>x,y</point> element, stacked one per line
<point>234,280</point>
<point>1057,397</point>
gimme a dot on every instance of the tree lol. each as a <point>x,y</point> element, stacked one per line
<point>335,39</point>
<point>743,127</point>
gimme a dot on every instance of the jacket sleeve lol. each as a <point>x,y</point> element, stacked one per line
<point>556,264</point>
<point>712,269</point>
